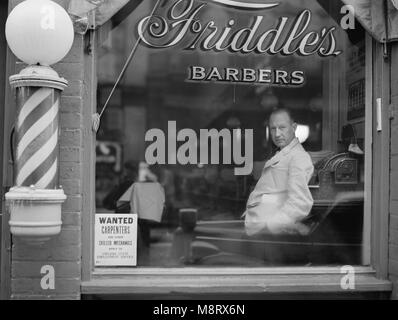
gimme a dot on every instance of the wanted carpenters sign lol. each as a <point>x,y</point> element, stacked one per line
<point>115,240</point>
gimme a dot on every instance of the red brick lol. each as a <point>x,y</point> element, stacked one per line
<point>74,88</point>
<point>19,66</point>
<point>71,219</point>
<point>71,120</point>
<point>71,186</point>
<point>394,280</point>
<point>75,296</point>
<point>69,236</point>
<point>71,137</point>
<point>394,66</point>
<point>32,286</point>
<point>394,120</point>
<point>394,222</point>
<point>393,267</point>
<point>394,162</point>
<point>71,104</point>
<point>70,170</point>
<point>394,252</point>
<point>71,154</point>
<point>394,294</point>
<point>31,269</point>
<point>394,237</point>
<point>69,71</point>
<point>76,53</point>
<point>394,94</point>
<point>394,185</point>
<point>13,3</point>
<point>72,203</point>
<point>393,206</point>
<point>69,253</point>
<point>46,252</point>
<point>394,140</point>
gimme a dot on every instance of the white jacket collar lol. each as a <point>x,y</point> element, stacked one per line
<point>276,158</point>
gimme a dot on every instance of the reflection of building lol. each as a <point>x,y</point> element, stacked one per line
<point>153,92</point>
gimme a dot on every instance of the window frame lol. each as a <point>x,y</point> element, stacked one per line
<point>372,278</point>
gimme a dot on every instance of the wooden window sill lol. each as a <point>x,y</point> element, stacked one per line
<point>230,281</point>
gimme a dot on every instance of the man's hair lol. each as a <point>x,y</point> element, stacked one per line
<point>283,110</point>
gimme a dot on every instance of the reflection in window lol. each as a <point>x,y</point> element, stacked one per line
<point>191,214</point>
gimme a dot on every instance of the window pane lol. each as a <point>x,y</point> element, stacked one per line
<point>191,141</point>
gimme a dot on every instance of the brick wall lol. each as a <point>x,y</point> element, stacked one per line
<point>393,232</point>
<point>63,252</point>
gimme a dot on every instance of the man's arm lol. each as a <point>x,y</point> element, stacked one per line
<point>299,199</point>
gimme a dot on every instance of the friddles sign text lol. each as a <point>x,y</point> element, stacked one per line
<point>286,38</point>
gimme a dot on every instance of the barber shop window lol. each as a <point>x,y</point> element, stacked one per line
<point>236,134</point>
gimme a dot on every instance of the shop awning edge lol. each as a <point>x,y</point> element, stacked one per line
<point>91,14</point>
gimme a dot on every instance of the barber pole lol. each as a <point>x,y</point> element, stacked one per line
<point>37,137</point>
<point>37,127</point>
<point>35,200</point>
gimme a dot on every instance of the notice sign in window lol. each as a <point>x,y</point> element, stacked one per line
<point>115,240</point>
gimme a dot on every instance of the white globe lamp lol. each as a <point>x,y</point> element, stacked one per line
<point>39,32</point>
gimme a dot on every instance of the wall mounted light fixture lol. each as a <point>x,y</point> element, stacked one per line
<point>40,33</point>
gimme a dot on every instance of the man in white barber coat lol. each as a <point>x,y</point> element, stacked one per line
<point>281,198</point>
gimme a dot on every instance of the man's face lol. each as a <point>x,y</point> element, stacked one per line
<point>282,129</point>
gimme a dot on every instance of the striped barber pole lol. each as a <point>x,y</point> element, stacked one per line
<point>37,133</point>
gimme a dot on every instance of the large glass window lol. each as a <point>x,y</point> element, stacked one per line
<point>197,139</point>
